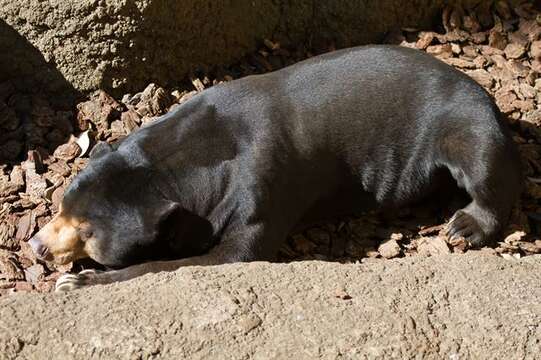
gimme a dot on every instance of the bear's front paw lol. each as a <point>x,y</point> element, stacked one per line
<point>68,282</point>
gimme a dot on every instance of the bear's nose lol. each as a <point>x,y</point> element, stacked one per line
<point>37,246</point>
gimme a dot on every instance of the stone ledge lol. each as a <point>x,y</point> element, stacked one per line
<point>454,306</point>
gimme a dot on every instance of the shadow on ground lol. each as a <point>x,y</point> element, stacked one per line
<point>36,101</point>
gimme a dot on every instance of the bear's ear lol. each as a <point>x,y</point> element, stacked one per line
<point>100,149</point>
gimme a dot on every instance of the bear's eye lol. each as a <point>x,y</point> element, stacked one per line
<point>85,232</point>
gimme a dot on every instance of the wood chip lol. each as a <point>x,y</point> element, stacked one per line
<point>460,245</point>
<point>26,226</point>
<point>536,65</point>
<point>511,257</point>
<point>100,110</point>
<point>131,120</point>
<point>535,49</point>
<point>61,168</point>
<point>460,63</point>
<point>78,165</point>
<point>526,91</point>
<point>372,252</point>
<point>470,51</point>
<point>529,247</point>
<point>16,177</point>
<point>441,51</point>
<point>514,50</point>
<point>530,28</point>
<point>518,38</point>
<point>34,273</point>
<point>23,286</point>
<point>57,195</point>
<point>67,152</point>
<point>26,254</point>
<point>471,24</point>
<point>389,249</point>
<point>484,14</point>
<point>479,38</point>
<point>271,45</point>
<point>526,10</point>
<point>118,130</point>
<point>9,269</point>
<point>432,246</point>
<point>7,236</point>
<point>425,39</point>
<point>156,100</point>
<point>523,105</point>
<point>45,286</point>
<point>502,9</point>
<point>482,76</point>
<point>534,190</point>
<point>489,51</point>
<point>431,230</point>
<point>302,244</point>
<point>456,48</point>
<point>497,40</point>
<point>319,236</point>
<point>513,238</point>
<point>35,184</point>
<point>397,236</point>
<point>198,85</point>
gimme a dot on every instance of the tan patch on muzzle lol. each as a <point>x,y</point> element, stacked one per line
<point>63,240</point>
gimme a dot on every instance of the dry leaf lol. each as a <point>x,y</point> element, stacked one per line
<point>83,141</point>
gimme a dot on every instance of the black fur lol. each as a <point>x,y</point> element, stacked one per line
<point>242,163</point>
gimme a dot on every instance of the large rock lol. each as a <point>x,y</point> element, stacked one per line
<point>471,306</point>
<point>121,45</point>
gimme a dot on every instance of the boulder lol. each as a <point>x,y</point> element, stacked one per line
<point>122,45</point>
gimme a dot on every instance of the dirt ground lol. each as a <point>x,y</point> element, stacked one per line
<point>471,306</point>
<point>39,156</point>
